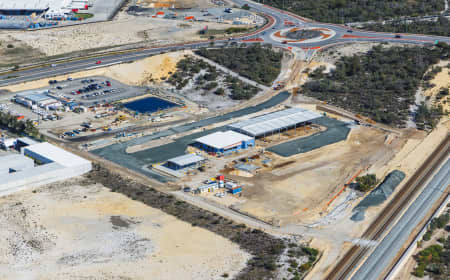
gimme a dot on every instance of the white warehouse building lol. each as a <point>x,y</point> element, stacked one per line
<point>275,122</point>
<point>53,164</point>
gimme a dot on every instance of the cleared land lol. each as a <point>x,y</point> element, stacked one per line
<point>79,229</point>
<point>14,51</point>
<point>138,73</point>
<point>297,188</point>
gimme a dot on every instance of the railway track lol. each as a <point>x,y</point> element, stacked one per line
<point>345,267</point>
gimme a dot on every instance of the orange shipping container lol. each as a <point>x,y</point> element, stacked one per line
<point>189,17</point>
<point>21,117</point>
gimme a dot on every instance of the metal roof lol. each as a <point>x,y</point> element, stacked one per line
<point>32,4</point>
<point>221,140</point>
<point>37,97</point>
<point>56,154</point>
<point>186,159</point>
<point>274,121</point>
<point>14,161</point>
<point>28,141</point>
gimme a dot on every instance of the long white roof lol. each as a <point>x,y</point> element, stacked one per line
<point>186,159</point>
<point>14,160</point>
<point>56,154</point>
<point>32,4</point>
<point>274,121</point>
<point>221,140</point>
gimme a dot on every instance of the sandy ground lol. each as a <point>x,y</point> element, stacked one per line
<point>76,230</point>
<point>137,73</point>
<point>298,192</point>
<point>441,80</point>
<point>126,29</point>
<point>13,51</point>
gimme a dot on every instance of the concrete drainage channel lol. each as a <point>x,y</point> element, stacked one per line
<point>140,161</point>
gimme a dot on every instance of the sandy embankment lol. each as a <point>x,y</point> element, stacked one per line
<point>136,73</point>
<point>441,80</point>
<point>67,232</point>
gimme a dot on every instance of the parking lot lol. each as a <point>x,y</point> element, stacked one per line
<point>94,90</point>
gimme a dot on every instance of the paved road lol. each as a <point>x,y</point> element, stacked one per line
<point>277,19</point>
<point>386,251</point>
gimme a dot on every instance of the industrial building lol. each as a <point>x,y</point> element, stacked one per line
<point>7,143</point>
<point>10,163</point>
<point>275,122</point>
<point>184,161</point>
<point>30,7</point>
<point>33,98</point>
<point>224,142</point>
<point>39,164</point>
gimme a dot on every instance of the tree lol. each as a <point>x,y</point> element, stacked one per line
<point>219,91</point>
<point>246,7</point>
<point>366,182</point>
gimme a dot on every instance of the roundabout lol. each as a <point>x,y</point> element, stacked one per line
<point>303,35</point>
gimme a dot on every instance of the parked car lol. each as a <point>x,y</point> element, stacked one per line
<point>398,36</point>
<point>69,133</point>
<point>98,62</point>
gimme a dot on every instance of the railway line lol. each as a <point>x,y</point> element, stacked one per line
<point>351,260</point>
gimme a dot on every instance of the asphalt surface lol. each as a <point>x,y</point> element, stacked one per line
<point>140,161</point>
<point>387,249</point>
<point>341,36</point>
<point>336,131</point>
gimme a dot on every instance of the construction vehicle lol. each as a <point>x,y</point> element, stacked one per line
<point>279,85</point>
<point>295,91</point>
<point>122,118</point>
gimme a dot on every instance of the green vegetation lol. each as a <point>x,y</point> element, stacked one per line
<point>245,7</point>
<point>240,90</point>
<point>434,260</point>
<point>83,15</point>
<point>366,182</point>
<point>211,80</point>
<point>343,11</point>
<point>186,69</point>
<point>439,222</point>
<point>380,84</point>
<point>20,127</point>
<point>297,252</point>
<point>229,30</point>
<point>441,27</point>
<point>427,118</point>
<point>260,64</point>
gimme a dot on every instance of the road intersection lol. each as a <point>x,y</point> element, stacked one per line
<point>277,20</point>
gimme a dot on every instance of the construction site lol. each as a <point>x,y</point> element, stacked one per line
<point>182,180</point>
